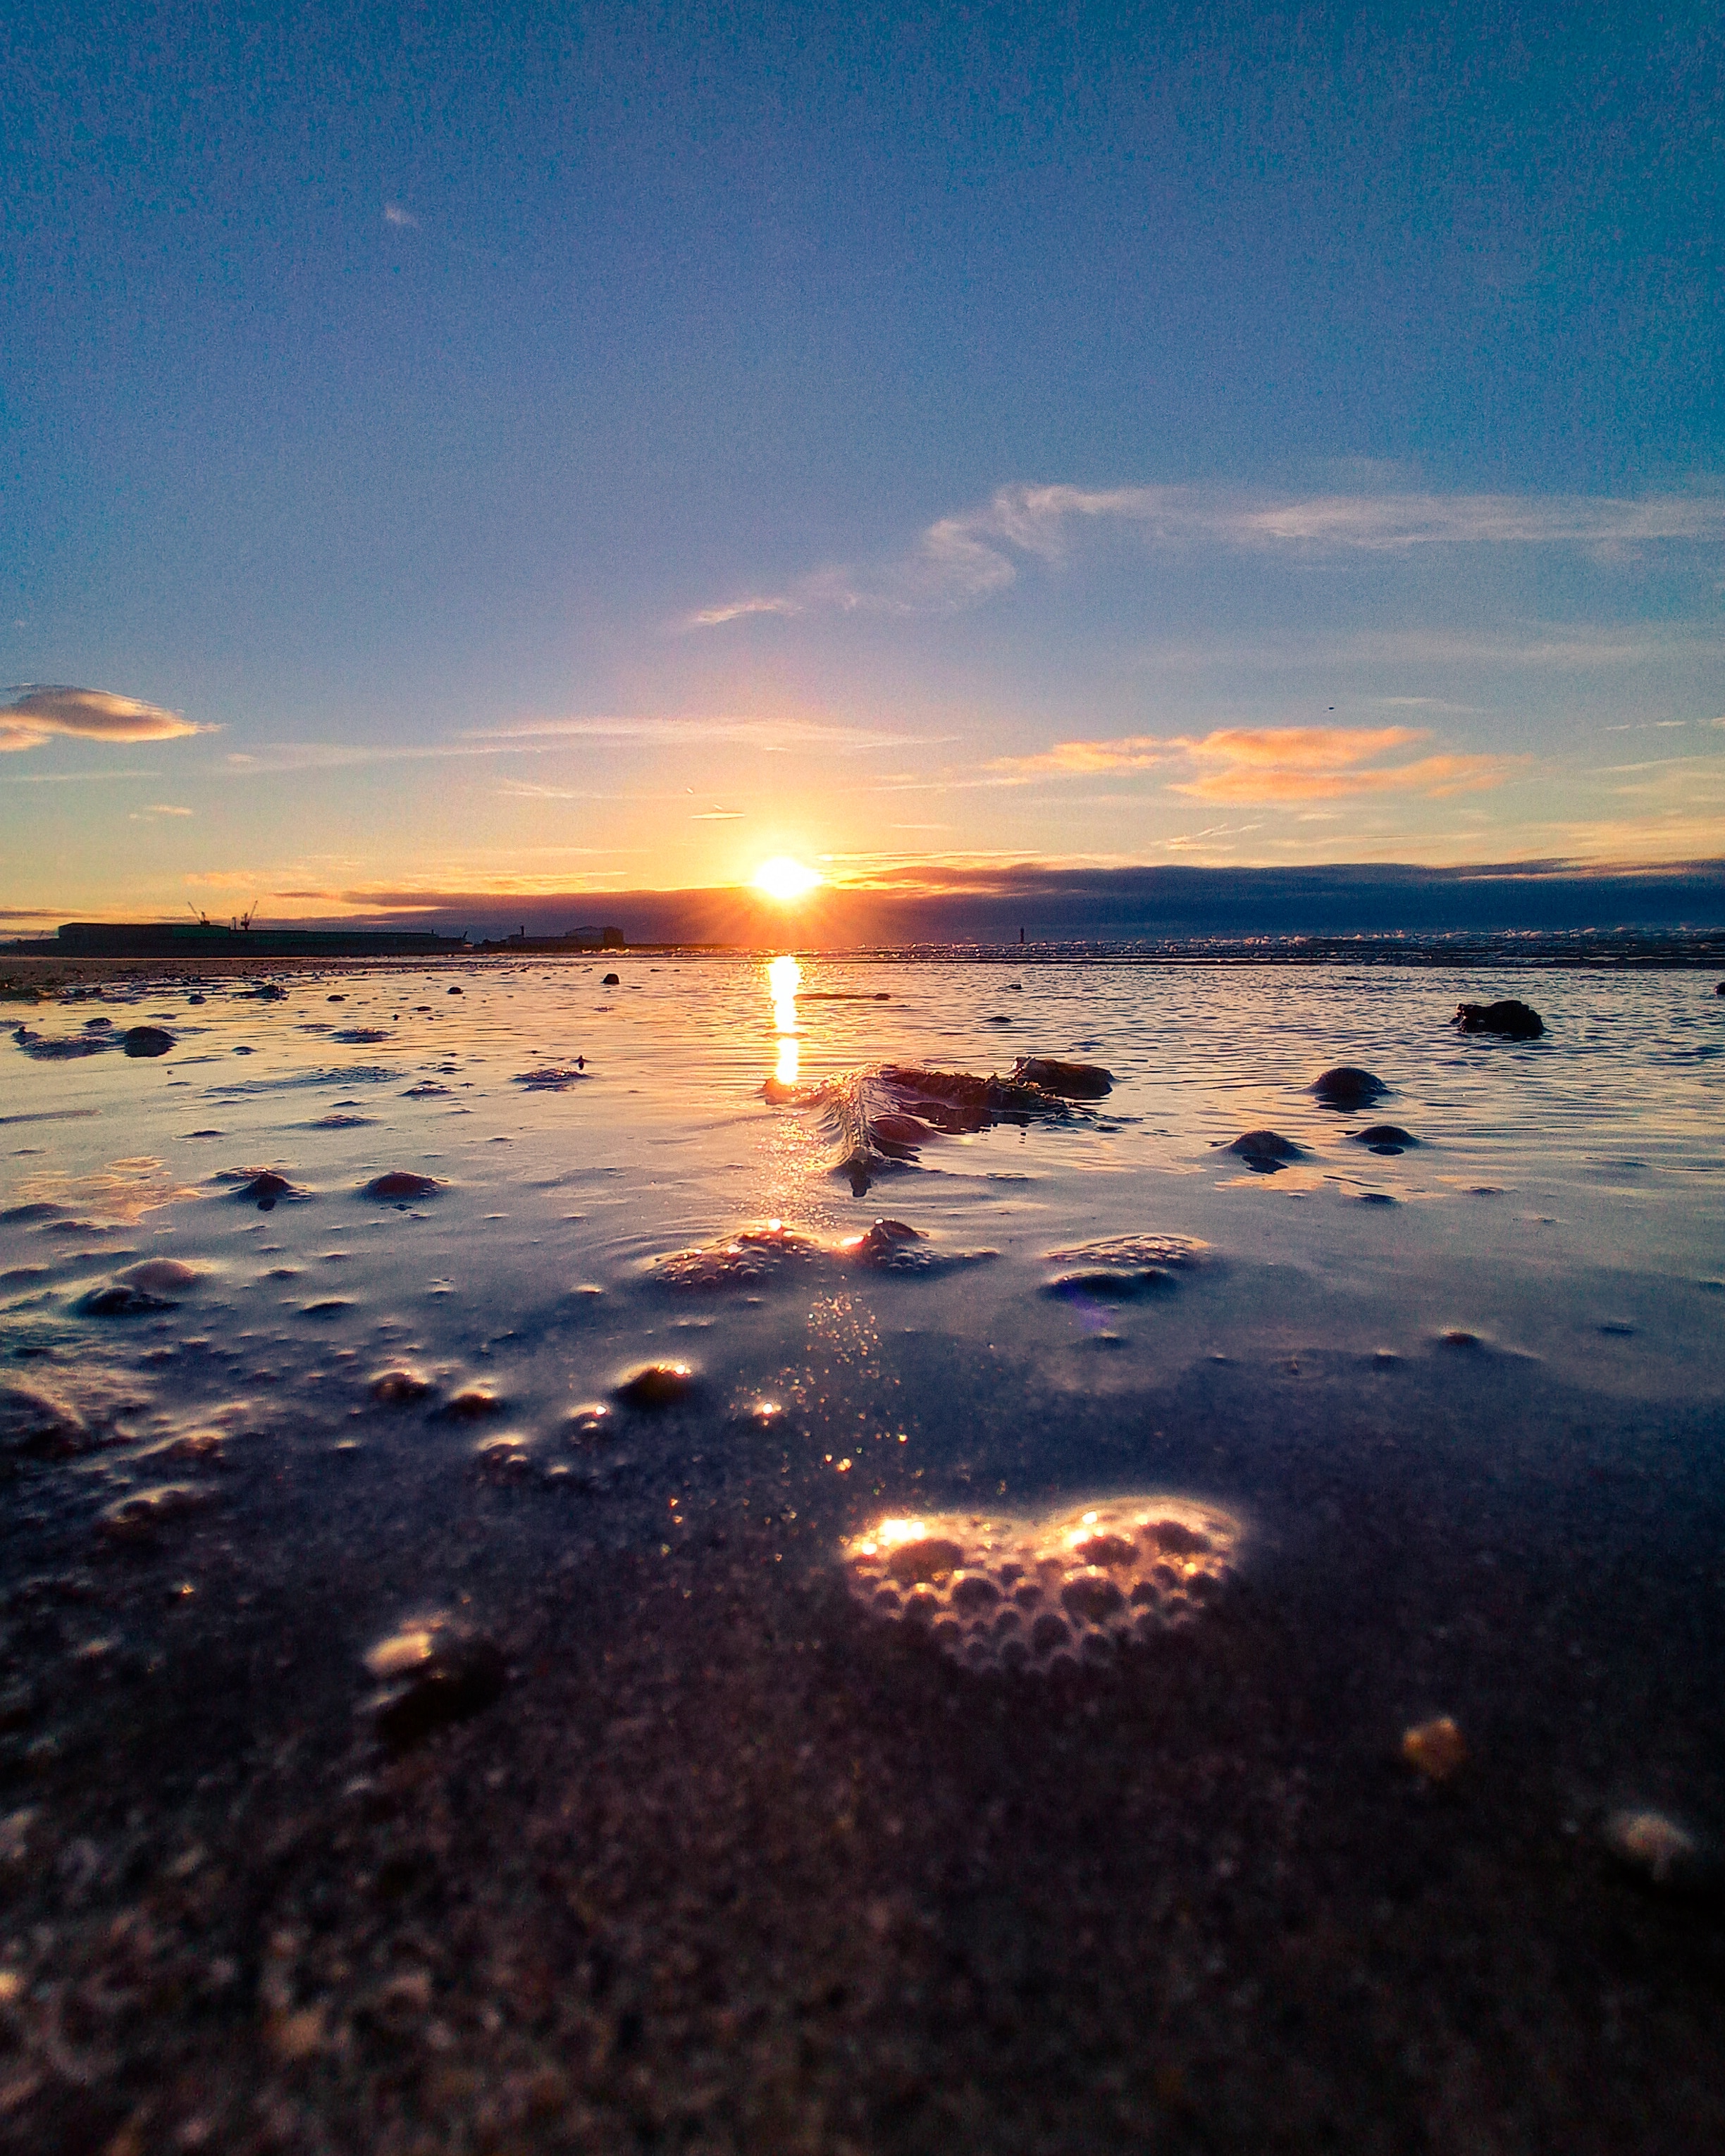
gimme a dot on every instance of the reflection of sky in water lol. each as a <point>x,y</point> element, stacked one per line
<point>1564,1205</point>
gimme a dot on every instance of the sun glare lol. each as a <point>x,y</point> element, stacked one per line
<point>785,879</point>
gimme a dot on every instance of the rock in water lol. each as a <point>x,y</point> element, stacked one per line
<point>146,1040</point>
<point>1043,1594</point>
<point>398,1388</point>
<point>432,1673</point>
<point>266,1189</point>
<point>658,1385</point>
<point>1384,1137</point>
<point>38,1426</point>
<point>1072,1081</point>
<point>45,1051</point>
<point>119,1300</point>
<point>1348,1087</point>
<point>1266,1152</point>
<point>401,1183</point>
<point>141,1514</point>
<point>611,981</point>
<point>1509,1019</point>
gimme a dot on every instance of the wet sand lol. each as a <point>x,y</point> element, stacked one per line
<point>727,1866</point>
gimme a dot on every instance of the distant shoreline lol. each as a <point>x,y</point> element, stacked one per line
<point>23,973</point>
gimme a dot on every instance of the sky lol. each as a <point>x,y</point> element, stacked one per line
<point>528,454</point>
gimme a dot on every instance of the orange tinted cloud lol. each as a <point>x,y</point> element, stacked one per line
<point>1328,763</point>
<point>1129,752</point>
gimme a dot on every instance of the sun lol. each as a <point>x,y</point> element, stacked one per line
<point>785,879</point>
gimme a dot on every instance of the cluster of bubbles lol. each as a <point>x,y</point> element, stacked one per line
<point>1040,1594</point>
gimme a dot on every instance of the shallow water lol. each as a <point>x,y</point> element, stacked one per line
<point>1562,1207</point>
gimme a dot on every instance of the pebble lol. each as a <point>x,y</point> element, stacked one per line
<point>1437,1748</point>
<point>141,1514</point>
<point>1650,1843</point>
<point>593,1423</point>
<point>471,1403</point>
<point>265,1189</point>
<point>1384,1138</point>
<point>396,1388</point>
<point>1510,1019</point>
<point>1120,1286</point>
<point>658,1385</point>
<point>432,1673</point>
<point>399,1183</point>
<point>146,1040</point>
<point>40,1426</point>
<point>1348,1086</point>
<point>1266,1152</point>
<point>119,1300</point>
<point>505,1458</point>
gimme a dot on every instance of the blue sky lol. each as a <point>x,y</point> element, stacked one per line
<point>592,448</point>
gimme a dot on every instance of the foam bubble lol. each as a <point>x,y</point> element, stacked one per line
<point>1044,1593</point>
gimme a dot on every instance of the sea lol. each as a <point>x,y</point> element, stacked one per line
<point>385,1309</point>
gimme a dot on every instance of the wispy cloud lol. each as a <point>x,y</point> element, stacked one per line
<point>67,778</point>
<point>961,559</point>
<point>157,809</point>
<point>1328,763</point>
<point>523,789</point>
<point>772,734</point>
<point>394,214</point>
<point>38,711</point>
<point>1271,764</point>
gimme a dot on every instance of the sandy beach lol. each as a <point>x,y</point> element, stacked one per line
<point>683,1848</point>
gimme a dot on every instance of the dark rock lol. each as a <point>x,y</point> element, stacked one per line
<point>1720,990</point>
<point>1384,1137</point>
<point>119,1300</point>
<point>432,1675</point>
<point>40,1427</point>
<point>146,1040</point>
<point>1072,1081</point>
<point>265,1189</point>
<point>1265,1152</point>
<point>399,1183</point>
<point>1348,1087</point>
<point>612,981</point>
<point>883,1243</point>
<point>472,1404</point>
<point>396,1388</point>
<point>1509,1019</point>
<point>267,993</point>
<point>140,1513</point>
<point>1109,1286</point>
<point>658,1385</point>
<point>63,1050</point>
<point>455,992</point>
